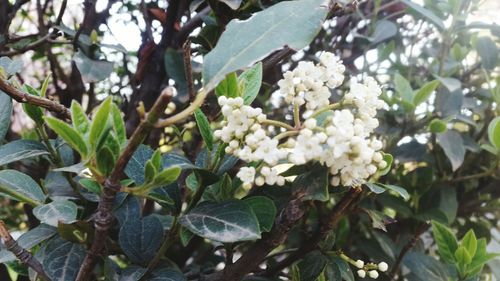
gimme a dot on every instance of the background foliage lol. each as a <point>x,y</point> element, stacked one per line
<point>439,69</point>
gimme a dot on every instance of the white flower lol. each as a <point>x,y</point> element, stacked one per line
<point>359,264</point>
<point>383,267</point>
<point>373,274</point>
<point>271,176</point>
<point>246,174</point>
<point>361,273</point>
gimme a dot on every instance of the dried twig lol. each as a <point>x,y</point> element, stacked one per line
<point>188,69</point>
<point>22,254</point>
<point>104,216</point>
<point>23,97</point>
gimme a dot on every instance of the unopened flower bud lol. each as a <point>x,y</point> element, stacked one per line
<point>373,274</point>
<point>361,273</point>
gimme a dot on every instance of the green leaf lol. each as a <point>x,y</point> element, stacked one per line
<point>141,238</point>
<point>233,4</point>
<point>204,127</point>
<point>425,13</point>
<point>424,268</point>
<point>378,219</point>
<point>399,190</point>
<point>105,161</point>
<point>264,209</point>
<point>167,274</point>
<point>29,240</point>
<point>20,150</point>
<point>422,94</point>
<point>150,172</point>
<point>136,166</point>
<point>314,184</point>
<point>167,176</point>
<point>438,126</point>
<point>488,52</point>
<point>68,134</point>
<point>174,66</point>
<point>33,111</point>
<point>469,241</point>
<point>80,120</point>
<point>494,132</point>
<point>384,29</point>
<point>185,236</point>
<point>247,41</point>
<point>21,187</point>
<point>62,259</point>
<point>249,83</point>
<point>156,160</point>
<point>10,66</point>
<point>403,88</point>
<point>481,256</point>
<point>344,268</point>
<point>388,158</point>
<point>45,85</point>
<point>375,188</point>
<point>462,256</point>
<point>225,222</point>
<point>118,125</point>
<point>445,239</point>
<point>5,113</point>
<point>90,185</point>
<point>58,211</point>
<point>452,144</point>
<point>312,266</point>
<point>99,123</point>
<point>228,87</point>
<point>92,70</point>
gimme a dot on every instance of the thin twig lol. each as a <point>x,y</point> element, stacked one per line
<point>421,229</point>
<point>22,254</point>
<point>104,216</point>
<point>188,69</point>
<point>23,97</point>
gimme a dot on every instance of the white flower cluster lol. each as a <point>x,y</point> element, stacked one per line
<point>310,84</point>
<point>343,141</point>
<point>370,269</point>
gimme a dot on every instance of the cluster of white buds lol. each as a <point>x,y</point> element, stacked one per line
<point>310,83</point>
<point>370,269</point>
<point>343,142</point>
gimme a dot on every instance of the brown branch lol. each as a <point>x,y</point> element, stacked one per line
<point>22,254</point>
<point>327,225</point>
<point>23,97</point>
<point>421,229</point>
<point>254,256</point>
<point>104,216</point>
<point>188,69</point>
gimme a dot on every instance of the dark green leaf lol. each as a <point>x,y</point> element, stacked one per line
<point>488,52</point>
<point>10,66</point>
<point>264,209</point>
<point>136,165</point>
<point>29,239</point>
<point>314,184</point>
<point>20,187</point>
<point>245,42</point>
<point>105,161</point>
<point>5,113</point>
<point>226,222</point>
<point>68,134</point>
<point>92,70</point>
<point>99,122</point>
<point>447,244</point>
<point>204,127</point>
<point>249,83</point>
<point>494,132</point>
<point>425,13</point>
<point>33,111</point>
<point>312,266</point>
<point>403,88</point>
<point>141,238</point>
<point>438,126</point>
<point>344,268</point>
<point>399,190</point>
<point>58,211</point>
<point>384,29</point>
<point>167,274</point>
<point>424,268</point>
<point>20,150</point>
<point>62,259</point>
<point>452,144</point>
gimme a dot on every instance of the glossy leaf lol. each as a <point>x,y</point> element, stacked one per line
<point>118,125</point>
<point>494,132</point>
<point>5,113</point>
<point>452,144</point>
<point>438,126</point>
<point>63,211</point>
<point>312,266</point>
<point>62,259</point>
<point>92,70</point>
<point>264,209</point>
<point>20,187</point>
<point>68,134</point>
<point>204,127</point>
<point>141,238</point>
<point>228,87</point>
<point>19,150</point>
<point>384,29</point>
<point>99,122</point>
<point>423,94</point>
<point>226,222</point>
<point>293,24</point>
<point>105,161</point>
<point>249,83</point>
<point>447,244</point>
<point>314,184</point>
<point>136,165</point>
<point>80,120</point>
<point>424,268</point>
<point>167,176</point>
<point>469,242</point>
<point>29,240</point>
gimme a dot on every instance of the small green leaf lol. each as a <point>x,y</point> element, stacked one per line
<point>58,211</point>
<point>92,70</point>
<point>249,83</point>
<point>140,238</point>
<point>5,114</point>
<point>68,134</point>
<point>204,127</point>
<point>452,143</point>
<point>45,85</point>
<point>437,126</point>
<point>167,176</point>
<point>422,94</point>
<point>314,184</point>
<point>80,120</point>
<point>388,159</point>
<point>469,241</point>
<point>312,266</point>
<point>19,150</point>
<point>118,125</point>
<point>494,132</point>
<point>463,256</point>
<point>399,190</point>
<point>403,88</point>
<point>99,122</point>
<point>375,188</point>
<point>33,111</point>
<point>445,239</point>
<point>90,185</point>
<point>228,87</point>
<point>157,160</point>
<point>264,209</point>
<point>105,161</point>
<point>150,171</point>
